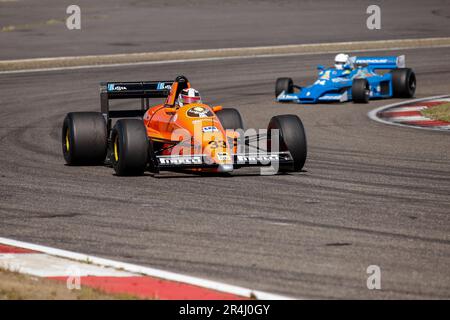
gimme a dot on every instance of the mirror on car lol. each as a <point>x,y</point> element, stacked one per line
<point>217,108</point>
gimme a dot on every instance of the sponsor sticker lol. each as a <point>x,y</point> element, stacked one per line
<point>337,80</point>
<point>199,112</point>
<point>209,129</point>
<point>163,85</point>
<point>320,82</point>
<point>113,87</point>
<point>331,97</point>
<point>257,158</point>
<point>172,160</point>
<point>326,75</point>
<point>223,156</point>
<point>287,96</point>
<point>373,60</point>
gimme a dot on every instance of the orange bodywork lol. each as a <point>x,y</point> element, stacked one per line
<point>192,129</point>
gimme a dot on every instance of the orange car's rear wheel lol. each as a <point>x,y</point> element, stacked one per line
<point>67,140</point>
<point>230,118</point>
<point>130,147</point>
<point>84,138</point>
<point>116,148</point>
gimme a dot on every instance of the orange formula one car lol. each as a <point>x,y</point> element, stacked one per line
<point>180,134</point>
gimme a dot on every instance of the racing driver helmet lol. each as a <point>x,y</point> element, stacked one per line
<point>341,61</point>
<point>188,96</point>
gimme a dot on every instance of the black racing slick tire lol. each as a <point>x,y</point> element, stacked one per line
<point>130,147</point>
<point>360,91</point>
<point>292,138</point>
<point>230,118</point>
<point>403,83</point>
<point>284,84</point>
<point>84,138</point>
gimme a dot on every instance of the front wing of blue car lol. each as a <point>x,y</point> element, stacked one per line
<point>300,98</point>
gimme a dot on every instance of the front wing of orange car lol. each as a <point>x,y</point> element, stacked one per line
<point>179,162</point>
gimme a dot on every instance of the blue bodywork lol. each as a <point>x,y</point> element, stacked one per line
<point>335,85</point>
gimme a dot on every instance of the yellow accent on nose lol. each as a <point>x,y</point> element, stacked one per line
<point>116,149</point>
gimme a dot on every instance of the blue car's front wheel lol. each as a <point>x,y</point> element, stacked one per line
<point>360,91</point>
<point>284,84</point>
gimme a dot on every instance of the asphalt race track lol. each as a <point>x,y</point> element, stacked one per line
<point>123,26</point>
<point>370,193</point>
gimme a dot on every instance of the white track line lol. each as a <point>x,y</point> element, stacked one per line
<point>408,118</point>
<point>44,265</point>
<point>213,285</point>
<point>373,113</point>
<point>443,100</point>
<point>407,109</point>
<point>275,55</point>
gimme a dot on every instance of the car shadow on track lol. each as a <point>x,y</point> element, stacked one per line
<point>193,175</point>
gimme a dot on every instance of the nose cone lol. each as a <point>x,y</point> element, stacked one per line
<point>208,136</point>
<point>218,152</point>
<point>313,92</point>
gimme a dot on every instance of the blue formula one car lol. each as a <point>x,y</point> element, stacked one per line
<point>356,79</point>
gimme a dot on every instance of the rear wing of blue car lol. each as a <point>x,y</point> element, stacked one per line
<point>380,62</point>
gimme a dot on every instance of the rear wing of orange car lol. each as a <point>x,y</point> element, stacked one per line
<point>143,90</point>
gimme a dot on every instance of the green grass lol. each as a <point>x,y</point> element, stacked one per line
<point>16,286</point>
<point>440,112</point>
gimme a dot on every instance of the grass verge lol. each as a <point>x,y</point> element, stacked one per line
<point>16,286</point>
<point>440,112</point>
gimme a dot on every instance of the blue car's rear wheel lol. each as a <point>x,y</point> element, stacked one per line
<point>360,91</point>
<point>403,83</point>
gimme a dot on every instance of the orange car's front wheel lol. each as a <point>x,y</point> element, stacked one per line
<point>292,138</point>
<point>129,154</point>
